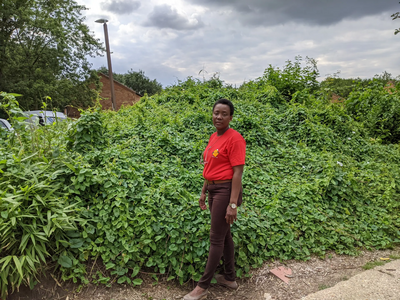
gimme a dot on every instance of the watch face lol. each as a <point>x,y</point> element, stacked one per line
<point>233,205</point>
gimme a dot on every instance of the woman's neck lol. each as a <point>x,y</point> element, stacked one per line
<point>222,131</point>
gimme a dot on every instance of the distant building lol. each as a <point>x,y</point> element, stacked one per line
<point>123,96</point>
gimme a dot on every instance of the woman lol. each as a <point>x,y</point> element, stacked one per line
<point>223,159</point>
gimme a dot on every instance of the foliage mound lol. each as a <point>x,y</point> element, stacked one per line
<point>127,184</point>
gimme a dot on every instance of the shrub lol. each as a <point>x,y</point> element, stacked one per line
<point>314,181</point>
<point>378,109</point>
<point>38,218</point>
<point>293,77</point>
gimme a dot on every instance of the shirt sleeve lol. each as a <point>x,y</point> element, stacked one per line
<point>237,153</point>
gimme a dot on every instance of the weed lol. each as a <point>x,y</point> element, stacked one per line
<point>323,287</point>
<point>372,264</point>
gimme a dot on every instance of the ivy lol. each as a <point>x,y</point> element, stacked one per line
<point>315,180</point>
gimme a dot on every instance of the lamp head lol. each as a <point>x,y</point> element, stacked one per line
<point>101,21</point>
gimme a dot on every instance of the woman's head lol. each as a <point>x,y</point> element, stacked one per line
<point>225,102</point>
<point>222,113</point>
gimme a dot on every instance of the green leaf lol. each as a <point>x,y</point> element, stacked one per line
<point>71,167</point>
<point>191,269</point>
<point>239,273</point>
<point>159,237</point>
<point>90,229</point>
<point>135,271</point>
<point>137,281</point>
<point>110,265</point>
<point>18,265</point>
<point>73,233</point>
<point>5,261</point>
<point>173,247</point>
<point>76,243</point>
<point>65,261</point>
<point>174,233</point>
<point>122,279</point>
<point>251,248</point>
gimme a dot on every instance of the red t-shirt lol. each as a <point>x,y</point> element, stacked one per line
<point>222,153</point>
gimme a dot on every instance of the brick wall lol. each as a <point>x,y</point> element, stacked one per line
<point>123,95</point>
<point>72,112</point>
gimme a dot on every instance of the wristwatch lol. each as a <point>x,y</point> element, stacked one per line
<point>233,205</point>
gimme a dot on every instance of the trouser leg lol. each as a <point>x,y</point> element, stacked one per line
<point>218,202</point>
<point>229,252</point>
<point>229,257</point>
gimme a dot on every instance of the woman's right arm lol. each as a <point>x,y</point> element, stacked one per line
<point>202,200</point>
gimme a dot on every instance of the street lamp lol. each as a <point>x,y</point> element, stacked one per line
<point>110,73</point>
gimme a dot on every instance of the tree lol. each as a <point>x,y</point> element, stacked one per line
<point>137,81</point>
<point>394,17</point>
<point>44,47</point>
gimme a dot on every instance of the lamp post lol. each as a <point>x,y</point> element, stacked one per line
<point>110,73</point>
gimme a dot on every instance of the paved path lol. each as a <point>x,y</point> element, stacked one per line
<point>380,283</point>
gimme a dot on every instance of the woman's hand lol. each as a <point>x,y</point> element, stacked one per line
<point>202,201</point>
<point>231,215</point>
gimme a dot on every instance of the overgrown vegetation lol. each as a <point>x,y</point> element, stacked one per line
<point>122,187</point>
<point>342,87</point>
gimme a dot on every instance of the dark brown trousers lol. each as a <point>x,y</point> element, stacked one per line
<point>220,234</point>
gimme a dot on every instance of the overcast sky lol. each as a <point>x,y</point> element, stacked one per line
<point>171,40</point>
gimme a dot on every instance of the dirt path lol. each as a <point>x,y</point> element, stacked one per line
<point>308,277</point>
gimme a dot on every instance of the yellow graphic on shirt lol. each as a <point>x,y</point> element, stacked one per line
<point>215,153</point>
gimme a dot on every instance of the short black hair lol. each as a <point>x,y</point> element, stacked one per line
<point>226,102</point>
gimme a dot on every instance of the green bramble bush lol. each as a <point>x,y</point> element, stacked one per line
<point>316,179</point>
<point>378,109</point>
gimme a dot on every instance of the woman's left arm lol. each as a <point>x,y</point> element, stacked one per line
<point>231,214</point>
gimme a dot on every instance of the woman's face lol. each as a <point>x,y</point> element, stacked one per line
<point>221,116</point>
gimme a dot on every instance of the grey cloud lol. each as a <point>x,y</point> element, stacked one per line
<point>165,16</point>
<point>312,12</point>
<point>120,6</point>
<point>360,48</point>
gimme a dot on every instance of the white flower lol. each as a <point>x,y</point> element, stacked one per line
<point>353,132</point>
<point>340,164</point>
<point>349,139</point>
<point>304,167</point>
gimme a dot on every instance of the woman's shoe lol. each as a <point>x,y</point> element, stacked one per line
<point>198,297</point>
<point>222,281</point>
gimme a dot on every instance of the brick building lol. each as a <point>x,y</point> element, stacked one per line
<point>123,96</point>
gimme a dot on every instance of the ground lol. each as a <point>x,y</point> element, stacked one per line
<point>308,277</point>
